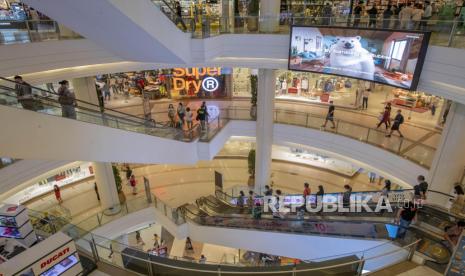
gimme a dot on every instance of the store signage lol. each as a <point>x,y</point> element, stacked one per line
<point>55,257</point>
<point>203,77</point>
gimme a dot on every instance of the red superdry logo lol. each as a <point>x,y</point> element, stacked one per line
<point>54,257</point>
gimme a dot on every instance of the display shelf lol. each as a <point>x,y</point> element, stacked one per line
<point>16,224</point>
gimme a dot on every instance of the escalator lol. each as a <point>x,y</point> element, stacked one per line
<point>220,211</point>
<point>40,132</point>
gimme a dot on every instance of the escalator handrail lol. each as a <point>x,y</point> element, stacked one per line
<point>144,123</point>
<point>172,11</point>
<point>51,102</point>
<point>79,101</point>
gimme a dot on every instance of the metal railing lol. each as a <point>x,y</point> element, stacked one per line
<point>415,151</point>
<point>131,257</point>
<point>26,31</point>
<point>446,32</point>
<point>46,102</point>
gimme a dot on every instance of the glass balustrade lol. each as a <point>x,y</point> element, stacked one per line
<point>445,32</point>
<point>46,102</point>
<point>132,258</point>
<point>12,31</point>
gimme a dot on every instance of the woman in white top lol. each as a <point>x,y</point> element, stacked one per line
<point>189,117</point>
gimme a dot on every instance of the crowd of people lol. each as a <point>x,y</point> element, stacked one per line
<point>184,116</point>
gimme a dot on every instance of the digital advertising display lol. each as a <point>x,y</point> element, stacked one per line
<point>388,57</point>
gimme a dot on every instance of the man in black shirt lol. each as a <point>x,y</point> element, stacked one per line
<point>330,115</point>
<point>179,15</point>
<point>372,13</point>
<point>404,218</point>
<point>398,120</point>
<point>357,13</point>
<point>421,188</point>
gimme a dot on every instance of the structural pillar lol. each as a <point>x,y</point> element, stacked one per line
<point>264,142</point>
<point>449,161</point>
<point>85,90</point>
<point>269,16</point>
<point>106,186</point>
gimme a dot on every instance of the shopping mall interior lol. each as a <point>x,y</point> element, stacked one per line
<point>232,137</point>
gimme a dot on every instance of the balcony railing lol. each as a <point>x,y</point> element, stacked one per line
<point>129,257</point>
<point>12,32</point>
<point>445,32</point>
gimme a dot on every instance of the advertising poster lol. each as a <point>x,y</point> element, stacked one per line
<point>388,57</point>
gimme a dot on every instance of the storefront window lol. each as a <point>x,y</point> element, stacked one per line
<point>316,88</point>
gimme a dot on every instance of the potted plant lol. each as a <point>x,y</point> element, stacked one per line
<point>119,185</point>
<point>253,100</point>
<point>253,11</point>
<point>251,165</point>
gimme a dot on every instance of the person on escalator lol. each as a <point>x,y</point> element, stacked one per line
<point>240,199</point>
<point>405,217</point>
<point>421,188</point>
<point>24,94</point>
<point>277,213</point>
<point>458,205</point>
<point>346,196</point>
<point>250,201</point>
<point>453,233</point>
<point>67,100</point>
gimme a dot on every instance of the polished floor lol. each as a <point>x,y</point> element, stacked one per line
<point>176,185</point>
<point>420,129</point>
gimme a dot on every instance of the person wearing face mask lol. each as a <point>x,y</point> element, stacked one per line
<point>67,100</point>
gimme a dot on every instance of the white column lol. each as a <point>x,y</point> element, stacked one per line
<point>449,160</point>
<point>265,106</point>
<point>106,184</point>
<point>269,15</point>
<point>84,89</point>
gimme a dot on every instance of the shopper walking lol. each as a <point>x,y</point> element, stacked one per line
<point>268,191</point>
<point>24,94</point>
<point>132,182</point>
<point>385,117</point>
<point>181,111</point>
<point>453,234</point>
<point>330,115</point>
<point>156,241</point>
<point>405,17</point>
<point>128,172</point>
<point>372,14</point>
<point>385,193</point>
<point>417,15</point>
<point>172,115</point>
<point>319,195</point>
<point>366,95</point>
<point>240,199</point>
<point>327,14</point>
<point>387,14</point>
<point>346,196</point>
<point>458,205</point>
<point>405,217</point>
<point>106,90</point>
<point>96,191</point>
<point>372,177</point>
<point>426,15</point>
<point>202,116</point>
<point>250,201</point>
<point>57,192</point>
<point>67,100</point>
<point>358,13</point>
<point>202,259</point>
<point>189,118</point>
<point>398,121</point>
<point>189,246</point>
<point>139,241</point>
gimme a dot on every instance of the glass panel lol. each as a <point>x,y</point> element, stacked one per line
<point>421,154</point>
<point>291,118</point>
<point>353,131</point>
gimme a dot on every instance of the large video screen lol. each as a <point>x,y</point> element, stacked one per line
<point>389,57</point>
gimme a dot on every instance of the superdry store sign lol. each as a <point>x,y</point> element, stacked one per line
<point>202,82</point>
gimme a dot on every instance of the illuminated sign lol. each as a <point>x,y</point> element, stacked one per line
<point>196,78</point>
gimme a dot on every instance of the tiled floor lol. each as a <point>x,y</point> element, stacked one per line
<point>407,269</point>
<point>419,128</point>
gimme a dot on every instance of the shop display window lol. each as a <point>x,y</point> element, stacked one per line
<point>62,266</point>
